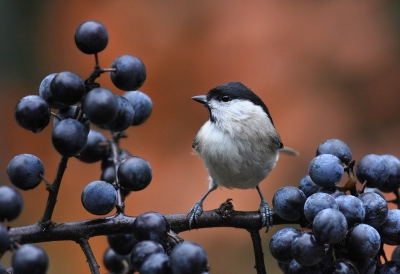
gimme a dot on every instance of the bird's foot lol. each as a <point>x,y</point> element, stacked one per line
<point>266,215</point>
<point>194,213</point>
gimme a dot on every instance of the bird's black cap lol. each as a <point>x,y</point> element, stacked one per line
<point>236,90</point>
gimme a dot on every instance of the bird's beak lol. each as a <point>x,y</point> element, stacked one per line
<point>202,99</point>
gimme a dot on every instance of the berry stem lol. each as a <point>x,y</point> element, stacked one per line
<point>258,251</point>
<point>53,191</point>
<point>87,250</point>
<point>114,154</point>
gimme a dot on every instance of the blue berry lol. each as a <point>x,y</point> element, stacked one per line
<point>45,93</point>
<point>393,181</point>
<point>288,203</point>
<point>308,186</point>
<point>124,117</point>
<point>317,202</point>
<point>32,113</point>
<point>130,72</point>
<point>188,257</point>
<point>151,226</point>
<point>91,37</point>
<point>67,88</point>
<point>24,171</point>
<point>281,243</point>
<point>326,170</point>
<point>122,244</point>
<point>363,241</point>
<point>99,198</point>
<point>307,250</point>
<point>5,241</point>
<point>389,230</point>
<point>372,169</point>
<point>11,203</point>
<point>135,174</point>
<point>342,266</point>
<point>115,263</point>
<point>142,250</point>
<point>95,148</point>
<point>352,208</point>
<point>142,106</point>
<point>69,137</point>
<point>330,226</point>
<point>335,147</point>
<point>28,259</point>
<point>376,209</point>
<point>100,106</point>
<point>157,263</point>
<point>391,267</point>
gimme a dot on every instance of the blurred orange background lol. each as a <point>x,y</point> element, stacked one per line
<point>325,70</point>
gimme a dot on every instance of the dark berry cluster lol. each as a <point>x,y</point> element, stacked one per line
<point>344,229</point>
<point>153,248</point>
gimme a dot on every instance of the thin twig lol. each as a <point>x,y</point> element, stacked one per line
<point>115,157</point>
<point>258,251</point>
<point>94,266</point>
<point>122,224</point>
<point>53,191</point>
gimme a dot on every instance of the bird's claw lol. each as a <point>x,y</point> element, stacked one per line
<point>195,212</point>
<point>266,215</point>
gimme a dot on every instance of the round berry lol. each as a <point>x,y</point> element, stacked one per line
<point>188,257</point>
<point>11,203</point>
<point>151,226</point>
<point>307,250</point>
<point>372,169</point>
<point>99,198</point>
<point>330,226</point>
<point>45,93</point>
<point>135,174</point>
<point>288,203</point>
<point>352,208</point>
<point>124,117</point>
<point>157,263</point>
<point>67,88</point>
<point>390,229</point>
<point>95,148</point>
<point>335,147</point>
<point>281,244</point>
<point>24,171</point>
<point>5,241</point>
<point>326,170</point>
<point>32,113</point>
<point>142,106</point>
<point>363,241</point>
<point>129,74</point>
<point>308,186</point>
<point>122,244</point>
<point>100,106</point>
<point>317,202</point>
<point>376,209</point>
<point>91,37</point>
<point>142,250</point>
<point>28,259</point>
<point>115,263</point>
<point>393,181</point>
<point>69,137</point>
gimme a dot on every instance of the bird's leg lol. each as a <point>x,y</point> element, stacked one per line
<point>197,209</point>
<point>265,210</point>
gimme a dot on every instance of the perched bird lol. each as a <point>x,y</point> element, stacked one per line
<point>239,144</point>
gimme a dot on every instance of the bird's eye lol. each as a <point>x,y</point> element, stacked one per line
<point>225,98</point>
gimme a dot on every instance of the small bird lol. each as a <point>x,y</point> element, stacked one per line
<point>239,144</point>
